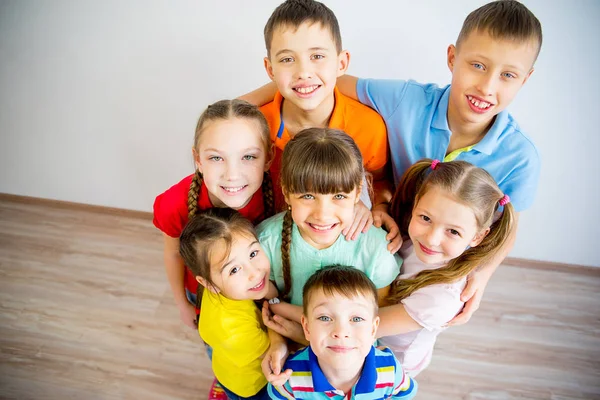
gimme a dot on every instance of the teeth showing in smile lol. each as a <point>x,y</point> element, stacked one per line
<point>479,104</point>
<point>306,89</point>
<point>233,189</point>
<point>322,227</point>
<point>257,286</point>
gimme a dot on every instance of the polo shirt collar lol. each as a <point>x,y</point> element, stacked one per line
<point>489,141</point>
<point>366,382</point>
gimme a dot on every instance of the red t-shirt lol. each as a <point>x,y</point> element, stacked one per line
<point>171,214</point>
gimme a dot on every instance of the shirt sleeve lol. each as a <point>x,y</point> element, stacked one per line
<point>521,184</point>
<point>170,212</point>
<point>382,95</point>
<point>404,386</point>
<point>284,392</point>
<point>383,267</point>
<point>246,340</point>
<point>269,234</point>
<point>434,305</point>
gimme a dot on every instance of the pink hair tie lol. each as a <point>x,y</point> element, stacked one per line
<point>504,200</point>
<point>434,164</point>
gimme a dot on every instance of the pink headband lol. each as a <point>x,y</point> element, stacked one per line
<point>434,164</point>
<point>504,200</point>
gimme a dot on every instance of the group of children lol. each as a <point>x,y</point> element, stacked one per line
<point>290,203</point>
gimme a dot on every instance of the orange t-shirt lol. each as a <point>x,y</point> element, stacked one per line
<point>360,122</point>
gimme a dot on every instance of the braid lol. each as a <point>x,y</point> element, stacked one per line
<point>199,291</point>
<point>193,194</point>
<point>286,241</point>
<point>268,198</point>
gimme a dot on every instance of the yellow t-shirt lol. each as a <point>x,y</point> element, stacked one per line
<point>233,328</point>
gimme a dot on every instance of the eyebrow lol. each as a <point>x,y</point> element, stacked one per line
<point>354,303</point>
<point>244,150</point>
<point>230,261</point>
<point>291,51</point>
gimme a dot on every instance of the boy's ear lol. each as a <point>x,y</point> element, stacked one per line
<point>197,159</point>
<point>343,62</point>
<point>479,237</point>
<point>375,326</point>
<point>207,285</point>
<point>528,75</point>
<point>269,68</point>
<point>451,57</point>
<point>305,327</point>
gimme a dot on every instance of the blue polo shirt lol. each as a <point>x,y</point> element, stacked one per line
<point>417,124</point>
<point>382,376</point>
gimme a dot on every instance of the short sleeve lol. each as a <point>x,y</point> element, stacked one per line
<point>383,95</point>
<point>383,267</point>
<point>284,392</point>
<point>246,341</point>
<point>434,305</point>
<point>521,184</point>
<point>269,236</point>
<point>170,209</point>
<point>404,386</point>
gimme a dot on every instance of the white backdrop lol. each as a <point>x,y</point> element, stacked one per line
<point>99,100</point>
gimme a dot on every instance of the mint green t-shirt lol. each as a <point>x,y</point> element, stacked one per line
<point>367,253</point>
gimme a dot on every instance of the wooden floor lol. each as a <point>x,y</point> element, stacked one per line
<point>86,313</point>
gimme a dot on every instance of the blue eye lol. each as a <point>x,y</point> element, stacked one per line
<point>357,319</point>
<point>477,66</point>
<point>508,75</point>
<point>307,196</point>
<point>324,318</point>
<point>249,158</point>
<point>215,158</point>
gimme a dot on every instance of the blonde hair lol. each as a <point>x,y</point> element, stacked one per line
<point>205,230</point>
<point>224,110</point>
<point>316,160</point>
<point>471,186</point>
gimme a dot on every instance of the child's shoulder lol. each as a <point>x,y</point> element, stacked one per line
<point>271,225</point>
<point>170,207</point>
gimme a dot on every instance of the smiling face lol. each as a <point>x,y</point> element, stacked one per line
<point>321,218</point>
<point>487,73</point>
<point>304,64</point>
<point>243,274</point>
<point>340,330</point>
<point>442,228</point>
<point>231,156</point>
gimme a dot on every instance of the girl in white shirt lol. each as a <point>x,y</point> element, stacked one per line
<point>450,212</point>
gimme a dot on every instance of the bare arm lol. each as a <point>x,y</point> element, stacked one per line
<point>287,311</point>
<point>347,85</point>
<point>478,280</point>
<point>262,95</point>
<point>395,321</point>
<point>175,269</point>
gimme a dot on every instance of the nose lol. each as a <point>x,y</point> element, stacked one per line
<point>434,237</point>
<point>323,210</point>
<point>487,84</point>
<point>341,330</point>
<point>232,170</point>
<point>303,69</point>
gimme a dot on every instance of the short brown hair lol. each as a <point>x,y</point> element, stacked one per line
<point>345,281</point>
<point>503,19</point>
<point>293,13</point>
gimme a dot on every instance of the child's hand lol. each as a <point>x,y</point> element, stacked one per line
<point>382,218</point>
<point>283,326</point>
<point>363,219</point>
<point>187,313</point>
<point>273,361</point>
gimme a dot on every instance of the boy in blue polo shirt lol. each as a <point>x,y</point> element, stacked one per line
<point>467,120</point>
<point>340,321</point>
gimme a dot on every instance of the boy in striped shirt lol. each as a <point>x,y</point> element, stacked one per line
<point>340,322</point>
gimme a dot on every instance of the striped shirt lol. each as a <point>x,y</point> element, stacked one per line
<point>382,377</point>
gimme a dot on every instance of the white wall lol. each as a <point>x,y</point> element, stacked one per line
<point>98,100</point>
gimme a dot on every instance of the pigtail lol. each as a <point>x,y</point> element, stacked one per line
<point>404,199</point>
<point>193,194</point>
<point>268,195</point>
<point>286,242</point>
